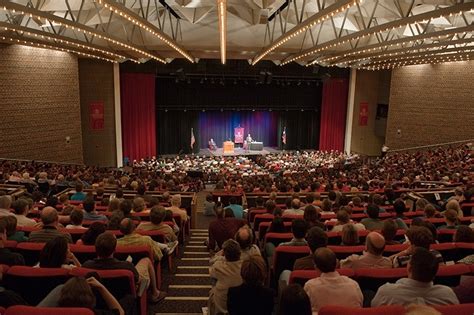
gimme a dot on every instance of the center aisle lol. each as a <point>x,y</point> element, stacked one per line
<point>188,288</point>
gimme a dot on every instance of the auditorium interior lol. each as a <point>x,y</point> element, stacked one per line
<point>286,157</point>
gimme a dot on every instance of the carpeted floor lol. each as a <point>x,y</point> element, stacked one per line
<point>188,287</point>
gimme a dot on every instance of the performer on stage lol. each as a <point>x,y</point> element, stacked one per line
<point>212,145</point>
<point>249,139</point>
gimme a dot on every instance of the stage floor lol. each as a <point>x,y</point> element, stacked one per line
<point>237,151</point>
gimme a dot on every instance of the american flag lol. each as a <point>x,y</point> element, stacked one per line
<point>193,140</point>
<point>283,136</point>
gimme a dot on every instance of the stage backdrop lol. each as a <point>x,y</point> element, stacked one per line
<point>214,110</point>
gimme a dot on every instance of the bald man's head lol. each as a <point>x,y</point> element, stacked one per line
<point>127,226</point>
<point>244,237</point>
<point>49,216</point>
<point>325,259</point>
<point>375,243</point>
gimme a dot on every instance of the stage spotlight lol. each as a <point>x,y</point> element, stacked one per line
<point>166,110</point>
<point>185,110</point>
<point>302,110</point>
<point>203,110</point>
<point>222,110</point>
<point>261,77</point>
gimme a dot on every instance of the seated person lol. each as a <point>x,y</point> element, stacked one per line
<point>89,211</point>
<point>89,236</point>
<point>330,288</point>
<point>144,271</point>
<point>50,222</point>
<point>157,216</point>
<point>236,208</point>
<point>175,207</point>
<point>299,227</point>
<point>21,208</point>
<point>56,254</point>
<point>349,235</point>
<point>212,145</point>
<point>372,222</point>
<point>12,233</point>
<point>389,231</point>
<point>222,228</point>
<point>451,220</point>
<point>76,217</point>
<point>252,291</point>
<point>294,301</point>
<point>418,288</point>
<point>226,274</point>
<point>372,256</point>
<point>418,236</point>
<point>8,257</point>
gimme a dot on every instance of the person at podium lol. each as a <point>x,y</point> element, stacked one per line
<point>212,145</point>
<point>249,139</point>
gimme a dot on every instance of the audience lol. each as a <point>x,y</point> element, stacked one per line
<point>222,228</point>
<point>89,211</point>
<point>209,205</point>
<point>349,235</point>
<point>294,301</point>
<point>89,237</point>
<point>330,288</point>
<point>8,257</point>
<point>76,217</point>
<point>157,216</point>
<point>251,297</point>
<point>372,222</point>
<point>418,288</point>
<point>372,256</point>
<point>451,220</point>
<point>12,233</point>
<point>143,271</point>
<point>226,273</point>
<point>56,254</point>
<point>5,203</point>
<point>49,231</point>
<point>175,207</point>
<point>21,208</point>
<point>389,232</point>
<point>236,208</point>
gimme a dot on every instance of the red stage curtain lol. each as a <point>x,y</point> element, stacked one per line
<point>333,114</point>
<point>137,92</point>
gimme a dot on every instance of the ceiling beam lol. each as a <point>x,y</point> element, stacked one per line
<point>455,9</point>
<point>320,17</point>
<point>145,25</point>
<point>76,27</point>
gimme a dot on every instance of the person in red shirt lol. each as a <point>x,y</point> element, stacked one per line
<point>222,229</point>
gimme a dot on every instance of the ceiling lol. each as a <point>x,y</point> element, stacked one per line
<point>370,34</point>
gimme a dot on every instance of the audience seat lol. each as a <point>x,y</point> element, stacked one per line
<point>302,276</point>
<point>285,256</point>
<point>393,249</point>
<point>451,275</point>
<point>137,253</point>
<point>446,235</point>
<point>343,252</point>
<point>83,253</point>
<point>75,233</point>
<point>261,218</point>
<point>254,212</point>
<point>264,226</point>
<point>33,284</point>
<point>30,251</point>
<point>277,238</point>
<point>291,217</point>
<point>463,250</point>
<point>461,309</point>
<point>382,310</point>
<point>31,310</point>
<point>119,282</point>
<point>373,278</point>
<point>160,237</point>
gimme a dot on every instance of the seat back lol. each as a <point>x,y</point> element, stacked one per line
<point>302,276</point>
<point>261,218</point>
<point>345,251</point>
<point>33,284</point>
<point>278,238</point>
<point>33,310</point>
<point>446,235</point>
<point>83,252</point>
<point>285,256</point>
<point>461,309</point>
<point>157,236</point>
<point>30,251</point>
<point>451,275</point>
<point>373,278</point>
<point>340,310</point>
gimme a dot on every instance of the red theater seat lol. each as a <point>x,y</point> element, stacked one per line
<point>160,237</point>
<point>461,309</point>
<point>137,253</point>
<point>302,276</point>
<point>261,218</point>
<point>277,238</point>
<point>285,256</point>
<point>30,251</point>
<point>33,284</point>
<point>264,226</point>
<point>345,251</point>
<point>83,252</point>
<point>451,275</point>
<point>382,310</point>
<point>254,212</point>
<point>31,310</point>
<point>373,278</point>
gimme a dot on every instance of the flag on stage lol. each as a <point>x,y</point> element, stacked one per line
<point>283,136</point>
<point>193,140</point>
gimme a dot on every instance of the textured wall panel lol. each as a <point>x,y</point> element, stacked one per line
<point>96,82</point>
<point>431,104</point>
<point>39,105</point>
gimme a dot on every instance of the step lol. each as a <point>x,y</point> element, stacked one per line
<point>193,267</point>
<point>189,286</point>
<point>196,253</point>
<point>191,275</point>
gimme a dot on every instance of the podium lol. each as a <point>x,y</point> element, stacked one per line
<point>228,147</point>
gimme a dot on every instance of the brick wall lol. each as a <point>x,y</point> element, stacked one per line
<point>96,81</point>
<point>39,105</point>
<point>431,104</point>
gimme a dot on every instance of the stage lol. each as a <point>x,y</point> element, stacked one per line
<point>238,151</point>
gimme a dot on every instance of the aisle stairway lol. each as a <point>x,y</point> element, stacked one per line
<point>188,289</point>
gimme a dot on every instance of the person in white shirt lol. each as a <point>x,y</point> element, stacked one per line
<point>418,288</point>
<point>330,288</point>
<point>20,207</point>
<point>5,204</point>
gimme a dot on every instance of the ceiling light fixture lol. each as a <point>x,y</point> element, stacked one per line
<point>318,18</point>
<point>222,13</point>
<point>137,20</point>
